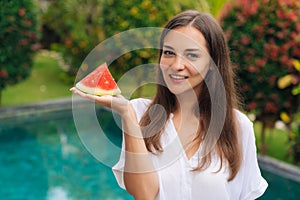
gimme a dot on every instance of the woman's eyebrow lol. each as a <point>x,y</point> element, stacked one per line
<point>186,50</point>
<point>168,47</point>
<point>193,49</point>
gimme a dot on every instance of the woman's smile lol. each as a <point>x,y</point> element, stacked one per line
<point>177,78</point>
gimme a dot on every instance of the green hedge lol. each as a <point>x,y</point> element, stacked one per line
<point>19,40</point>
<point>84,24</point>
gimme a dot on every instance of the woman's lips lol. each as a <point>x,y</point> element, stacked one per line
<point>177,78</point>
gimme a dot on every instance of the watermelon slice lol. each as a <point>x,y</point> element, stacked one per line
<point>99,82</point>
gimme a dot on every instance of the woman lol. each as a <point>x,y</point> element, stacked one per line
<point>190,141</point>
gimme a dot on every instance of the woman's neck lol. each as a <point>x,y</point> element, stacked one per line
<point>186,104</point>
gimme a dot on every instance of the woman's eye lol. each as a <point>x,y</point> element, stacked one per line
<point>192,55</point>
<point>168,52</point>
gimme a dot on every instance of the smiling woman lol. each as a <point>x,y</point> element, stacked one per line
<point>190,138</point>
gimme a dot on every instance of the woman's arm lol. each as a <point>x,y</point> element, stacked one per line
<point>139,175</point>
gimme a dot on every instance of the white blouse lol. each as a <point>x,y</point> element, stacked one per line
<point>177,180</point>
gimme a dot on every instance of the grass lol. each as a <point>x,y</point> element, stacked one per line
<point>276,143</point>
<point>43,84</point>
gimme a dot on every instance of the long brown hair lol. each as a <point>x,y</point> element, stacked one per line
<point>227,145</point>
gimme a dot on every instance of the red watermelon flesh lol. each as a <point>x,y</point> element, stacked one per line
<point>99,82</point>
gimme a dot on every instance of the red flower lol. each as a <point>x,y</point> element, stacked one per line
<point>291,16</point>
<point>27,22</point>
<point>23,42</point>
<point>241,19</point>
<point>253,8</point>
<point>280,14</point>
<point>225,11</point>
<point>296,52</point>
<point>68,42</point>
<point>273,55</point>
<point>285,47</point>
<point>261,62</point>
<point>295,80</point>
<point>265,23</point>
<point>280,35</point>
<point>252,105</point>
<point>22,11</point>
<point>294,34</point>
<point>228,33</point>
<point>284,3</point>
<point>32,35</point>
<point>3,73</point>
<point>245,40</point>
<point>298,27</point>
<point>284,59</point>
<point>270,107</point>
<point>245,88</point>
<point>252,69</point>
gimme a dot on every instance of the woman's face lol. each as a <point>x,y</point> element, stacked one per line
<point>185,60</point>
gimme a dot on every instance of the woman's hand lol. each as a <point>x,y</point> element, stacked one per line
<point>118,103</point>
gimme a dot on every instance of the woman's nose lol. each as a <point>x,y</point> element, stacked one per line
<point>178,63</point>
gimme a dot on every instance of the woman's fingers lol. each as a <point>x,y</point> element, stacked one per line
<point>117,103</point>
<point>82,94</point>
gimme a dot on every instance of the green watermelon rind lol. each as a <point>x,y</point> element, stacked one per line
<point>97,91</point>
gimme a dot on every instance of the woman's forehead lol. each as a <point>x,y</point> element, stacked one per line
<point>186,37</point>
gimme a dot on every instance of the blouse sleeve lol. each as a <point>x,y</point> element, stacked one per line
<point>253,184</point>
<point>139,105</point>
<point>118,168</point>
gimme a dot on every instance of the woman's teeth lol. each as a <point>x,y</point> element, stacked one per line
<point>177,77</point>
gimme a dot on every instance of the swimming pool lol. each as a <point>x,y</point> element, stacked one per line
<point>42,158</point>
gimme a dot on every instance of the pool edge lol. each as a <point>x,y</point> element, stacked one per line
<point>280,168</point>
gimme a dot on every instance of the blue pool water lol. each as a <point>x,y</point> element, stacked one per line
<point>42,158</point>
<point>280,188</point>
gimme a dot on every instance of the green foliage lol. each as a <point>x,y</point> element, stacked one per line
<point>80,25</point>
<point>216,6</point>
<point>294,140</point>
<point>19,37</point>
<point>264,37</point>
<point>76,27</point>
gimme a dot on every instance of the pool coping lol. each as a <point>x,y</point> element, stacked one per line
<point>271,164</point>
<point>278,167</point>
<point>45,106</point>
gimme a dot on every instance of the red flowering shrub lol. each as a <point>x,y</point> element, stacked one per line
<point>264,38</point>
<point>18,36</point>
